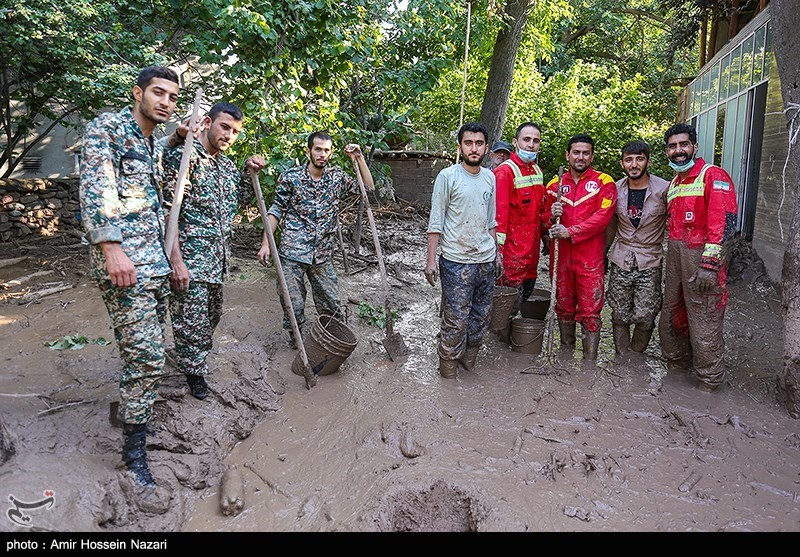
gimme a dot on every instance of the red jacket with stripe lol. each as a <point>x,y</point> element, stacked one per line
<point>701,211</point>
<point>588,208</point>
<point>520,204</point>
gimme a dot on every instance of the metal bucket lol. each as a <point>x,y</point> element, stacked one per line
<point>330,343</point>
<point>536,306</point>
<point>527,335</point>
<point>504,303</point>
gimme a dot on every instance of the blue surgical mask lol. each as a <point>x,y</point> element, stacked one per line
<point>527,156</point>
<point>680,168</point>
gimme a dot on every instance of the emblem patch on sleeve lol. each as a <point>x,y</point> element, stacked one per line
<point>606,203</point>
<point>722,185</point>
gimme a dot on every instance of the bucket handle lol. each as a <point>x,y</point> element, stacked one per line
<point>541,333</point>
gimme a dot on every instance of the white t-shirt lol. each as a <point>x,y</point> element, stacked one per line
<point>463,212</point>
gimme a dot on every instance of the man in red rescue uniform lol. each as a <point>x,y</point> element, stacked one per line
<point>520,206</point>
<point>701,217</point>
<point>588,201</point>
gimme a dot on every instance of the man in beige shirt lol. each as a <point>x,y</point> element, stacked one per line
<point>635,259</point>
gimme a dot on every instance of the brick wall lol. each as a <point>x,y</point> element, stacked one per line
<point>413,177</point>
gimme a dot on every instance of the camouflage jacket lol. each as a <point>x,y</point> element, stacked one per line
<point>119,194</point>
<point>309,212</point>
<point>214,193</point>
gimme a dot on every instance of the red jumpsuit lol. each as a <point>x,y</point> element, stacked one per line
<point>520,203</point>
<point>588,208</point>
<point>702,211</point>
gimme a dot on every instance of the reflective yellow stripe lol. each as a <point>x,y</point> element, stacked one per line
<point>713,251</point>
<point>692,189</point>
<point>585,197</point>
<point>501,238</point>
<point>521,181</point>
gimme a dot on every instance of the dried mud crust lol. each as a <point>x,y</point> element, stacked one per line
<point>382,446</point>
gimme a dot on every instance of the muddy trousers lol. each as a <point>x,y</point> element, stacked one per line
<point>634,296</point>
<point>467,290</point>
<point>580,291</point>
<point>324,289</point>
<point>195,315</point>
<point>690,326</point>
<point>138,315</point>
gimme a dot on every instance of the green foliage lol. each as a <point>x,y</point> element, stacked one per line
<point>75,342</point>
<point>375,315</point>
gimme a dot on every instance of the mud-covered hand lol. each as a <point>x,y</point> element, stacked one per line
<point>353,150</point>
<point>431,273</point>
<point>704,279</point>
<point>263,254</point>
<point>498,264</point>
<point>556,210</point>
<point>559,231</point>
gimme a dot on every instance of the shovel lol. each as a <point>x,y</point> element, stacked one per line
<point>393,342</point>
<point>552,317</point>
<point>311,380</point>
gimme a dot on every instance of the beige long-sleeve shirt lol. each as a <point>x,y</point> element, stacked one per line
<point>645,242</point>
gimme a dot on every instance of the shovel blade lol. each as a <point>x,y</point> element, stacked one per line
<point>395,346</point>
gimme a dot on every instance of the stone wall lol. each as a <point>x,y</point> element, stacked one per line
<point>37,206</point>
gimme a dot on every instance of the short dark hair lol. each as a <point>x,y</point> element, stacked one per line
<point>155,72</point>
<point>324,136</point>
<point>637,147</point>
<point>226,108</point>
<point>580,138</point>
<point>525,125</point>
<point>473,127</point>
<point>681,128</point>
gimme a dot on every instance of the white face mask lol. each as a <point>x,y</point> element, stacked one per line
<point>527,156</point>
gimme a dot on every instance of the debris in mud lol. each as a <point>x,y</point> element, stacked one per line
<point>688,484</point>
<point>7,448</point>
<point>577,512</point>
<point>231,491</point>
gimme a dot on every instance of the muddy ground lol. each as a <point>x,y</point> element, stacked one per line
<point>516,445</point>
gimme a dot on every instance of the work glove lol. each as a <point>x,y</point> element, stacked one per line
<point>559,231</point>
<point>556,210</point>
<point>432,274</point>
<point>704,280</point>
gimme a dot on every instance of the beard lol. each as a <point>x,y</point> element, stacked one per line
<point>636,174</point>
<point>321,165</point>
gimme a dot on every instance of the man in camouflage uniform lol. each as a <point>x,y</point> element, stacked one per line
<point>201,255</point>
<point>121,206</point>
<point>636,257</point>
<point>307,202</point>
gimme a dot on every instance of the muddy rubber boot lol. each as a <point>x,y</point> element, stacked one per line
<point>134,453</point>
<point>197,386</point>
<point>622,339</point>
<point>567,333</point>
<point>591,341</point>
<point>467,360</point>
<point>448,368</point>
<point>641,338</point>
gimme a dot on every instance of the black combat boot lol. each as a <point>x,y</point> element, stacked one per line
<point>197,386</point>
<point>567,333</point>
<point>641,338</point>
<point>134,453</point>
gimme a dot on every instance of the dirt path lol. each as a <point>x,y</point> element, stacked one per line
<point>380,446</point>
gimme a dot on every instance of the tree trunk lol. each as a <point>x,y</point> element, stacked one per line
<point>498,86</point>
<point>785,22</point>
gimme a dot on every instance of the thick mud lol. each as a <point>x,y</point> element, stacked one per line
<point>515,445</point>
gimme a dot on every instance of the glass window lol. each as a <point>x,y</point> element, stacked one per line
<point>707,141</point>
<point>736,58</point>
<point>725,73</point>
<point>739,141</point>
<point>770,67</point>
<point>730,132</point>
<point>704,91</point>
<point>719,134</point>
<point>713,87</point>
<point>758,54</point>
<point>692,98</point>
<point>747,64</point>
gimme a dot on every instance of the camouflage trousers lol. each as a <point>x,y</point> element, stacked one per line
<point>195,315</point>
<point>324,289</point>
<point>467,290</point>
<point>634,296</point>
<point>138,315</point>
